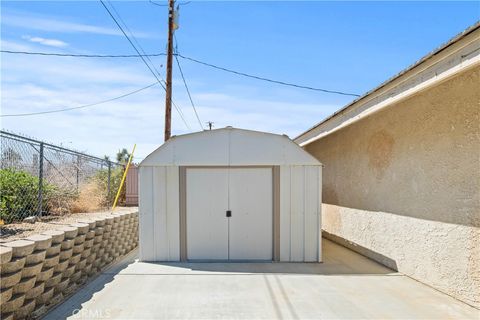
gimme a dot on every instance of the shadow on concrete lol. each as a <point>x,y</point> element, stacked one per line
<point>337,260</point>
<point>73,304</point>
<point>368,253</point>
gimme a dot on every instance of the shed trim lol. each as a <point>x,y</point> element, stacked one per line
<point>282,149</point>
<point>275,207</point>
<point>183,212</point>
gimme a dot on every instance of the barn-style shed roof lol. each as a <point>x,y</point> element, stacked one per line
<point>229,147</point>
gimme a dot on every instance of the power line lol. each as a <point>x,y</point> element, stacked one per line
<point>266,79</point>
<point>83,55</point>
<point>131,43</point>
<point>193,60</point>
<point>143,59</point>
<point>148,58</point>
<point>158,4</point>
<point>134,39</point>
<point>145,62</point>
<point>80,107</point>
<point>188,92</point>
<point>166,4</point>
<point>145,55</point>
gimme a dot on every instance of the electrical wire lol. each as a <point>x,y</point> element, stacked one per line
<point>145,55</point>
<point>179,110</point>
<point>157,72</point>
<point>188,92</point>
<point>265,79</point>
<point>135,39</point>
<point>158,4</point>
<point>143,59</point>
<point>185,82</point>
<point>166,4</point>
<point>83,55</point>
<point>80,107</point>
<point>193,60</point>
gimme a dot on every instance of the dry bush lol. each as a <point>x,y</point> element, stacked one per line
<point>91,197</point>
<point>59,203</point>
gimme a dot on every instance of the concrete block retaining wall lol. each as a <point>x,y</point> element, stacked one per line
<point>40,271</point>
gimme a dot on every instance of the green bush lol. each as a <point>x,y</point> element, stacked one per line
<point>19,194</point>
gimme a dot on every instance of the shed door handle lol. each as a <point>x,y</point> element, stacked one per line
<point>229,213</point>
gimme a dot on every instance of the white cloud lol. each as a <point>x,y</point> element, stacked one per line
<point>139,118</point>
<point>46,42</point>
<point>14,46</point>
<point>271,115</point>
<point>34,83</point>
<point>54,24</point>
<point>65,72</point>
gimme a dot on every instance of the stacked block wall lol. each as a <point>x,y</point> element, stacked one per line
<point>40,271</point>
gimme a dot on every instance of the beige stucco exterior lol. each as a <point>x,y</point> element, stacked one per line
<point>403,185</point>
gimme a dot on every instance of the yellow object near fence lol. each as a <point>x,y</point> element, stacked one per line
<point>123,178</point>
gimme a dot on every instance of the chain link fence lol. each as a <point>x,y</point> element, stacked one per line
<point>40,179</point>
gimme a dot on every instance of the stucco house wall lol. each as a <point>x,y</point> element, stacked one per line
<point>401,178</point>
<point>402,186</point>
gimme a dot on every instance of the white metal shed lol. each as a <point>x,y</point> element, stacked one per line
<point>230,194</point>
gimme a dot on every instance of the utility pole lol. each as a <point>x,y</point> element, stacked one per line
<point>210,125</point>
<point>168,95</point>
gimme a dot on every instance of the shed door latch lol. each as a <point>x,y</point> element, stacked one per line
<point>229,213</point>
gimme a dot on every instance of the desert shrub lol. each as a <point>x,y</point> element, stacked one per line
<point>115,178</point>
<point>59,201</point>
<point>93,195</point>
<point>90,197</point>
<point>19,194</point>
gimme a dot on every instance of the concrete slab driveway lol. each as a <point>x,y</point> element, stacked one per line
<point>345,286</point>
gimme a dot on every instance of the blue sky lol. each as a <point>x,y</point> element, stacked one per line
<point>344,46</point>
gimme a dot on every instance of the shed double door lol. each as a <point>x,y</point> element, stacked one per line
<point>229,213</point>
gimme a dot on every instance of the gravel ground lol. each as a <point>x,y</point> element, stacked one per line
<point>16,231</point>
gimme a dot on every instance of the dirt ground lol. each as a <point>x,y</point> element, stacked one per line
<point>15,231</point>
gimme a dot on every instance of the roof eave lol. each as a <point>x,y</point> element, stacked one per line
<point>430,55</point>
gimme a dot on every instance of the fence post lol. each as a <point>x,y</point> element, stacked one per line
<point>108,181</point>
<point>78,169</point>
<point>40,181</point>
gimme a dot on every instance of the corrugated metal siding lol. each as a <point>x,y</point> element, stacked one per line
<point>131,187</point>
<point>159,214</point>
<point>300,213</point>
